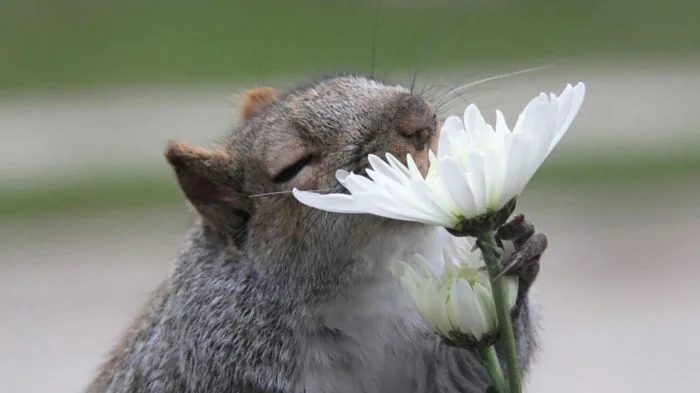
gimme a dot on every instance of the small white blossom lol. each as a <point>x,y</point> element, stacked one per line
<point>478,168</point>
<point>456,301</point>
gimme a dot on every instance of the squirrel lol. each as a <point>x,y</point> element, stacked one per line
<point>270,296</point>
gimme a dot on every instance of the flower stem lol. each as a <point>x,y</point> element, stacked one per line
<point>493,366</point>
<point>492,255</point>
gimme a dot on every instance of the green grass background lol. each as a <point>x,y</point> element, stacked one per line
<point>79,44</point>
<point>85,43</point>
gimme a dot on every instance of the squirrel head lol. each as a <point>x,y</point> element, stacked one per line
<point>299,138</point>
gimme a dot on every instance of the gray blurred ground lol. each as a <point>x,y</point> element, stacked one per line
<point>618,287</point>
<point>618,292</point>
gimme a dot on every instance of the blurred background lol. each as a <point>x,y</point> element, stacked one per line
<point>90,217</point>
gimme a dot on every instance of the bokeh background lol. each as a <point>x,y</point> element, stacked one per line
<point>90,217</point>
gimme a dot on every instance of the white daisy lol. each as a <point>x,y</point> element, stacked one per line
<point>456,302</point>
<point>479,169</point>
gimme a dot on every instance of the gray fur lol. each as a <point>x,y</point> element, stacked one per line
<point>305,301</point>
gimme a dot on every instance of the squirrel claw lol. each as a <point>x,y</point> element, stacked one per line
<point>529,245</point>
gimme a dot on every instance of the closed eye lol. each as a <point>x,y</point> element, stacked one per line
<point>291,171</point>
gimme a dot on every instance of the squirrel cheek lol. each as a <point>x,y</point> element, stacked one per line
<point>308,178</point>
<point>433,141</point>
<point>422,162</point>
<point>420,157</point>
<point>313,176</point>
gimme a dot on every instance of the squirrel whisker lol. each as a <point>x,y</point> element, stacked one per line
<point>285,192</point>
<point>496,77</point>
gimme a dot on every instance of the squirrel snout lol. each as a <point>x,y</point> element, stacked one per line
<point>419,131</point>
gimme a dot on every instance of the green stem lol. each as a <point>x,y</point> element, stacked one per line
<point>493,366</point>
<point>492,256</point>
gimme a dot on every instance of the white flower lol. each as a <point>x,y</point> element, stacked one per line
<point>456,302</point>
<point>478,168</point>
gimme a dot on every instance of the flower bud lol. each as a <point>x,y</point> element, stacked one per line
<point>458,302</point>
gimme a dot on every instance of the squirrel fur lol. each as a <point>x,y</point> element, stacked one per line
<point>270,296</point>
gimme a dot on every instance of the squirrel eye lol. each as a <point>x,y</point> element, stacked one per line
<point>291,171</point>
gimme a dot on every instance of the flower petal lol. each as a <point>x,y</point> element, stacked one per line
<point>511,284</point>
<point>517,175</point>
<point>427,198</point>
<point>409,279</point>
<point>385,169</point>
<point>485,298</point>
<point>336,203</point>
<point>424,267</point>
<point>477,182</point>
<point>405,197</point>
<point>472,318</point>
<point>387,207</point>
<point>380,181</point>
<point>356,183</point>
<point>413,168</point>
<point>452,123</point>
<point>473,120</point>
<point>454,312</point>
<point>435,308</point>
<point>457,186</point>
<point>501,125</point>
<point>494,176</point>
<point>571,101</point>
<point>398,165</point>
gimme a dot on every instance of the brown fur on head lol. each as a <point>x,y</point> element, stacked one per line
<point>254,99</point>
<point>299,139</point>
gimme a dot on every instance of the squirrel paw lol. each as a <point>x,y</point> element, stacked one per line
<point>529,246</point>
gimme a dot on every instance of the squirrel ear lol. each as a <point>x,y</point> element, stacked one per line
<point>206,177</point>
<point>200,172</point>
<point>254,99</point>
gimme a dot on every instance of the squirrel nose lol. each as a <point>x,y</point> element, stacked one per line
<point>418,133</point>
